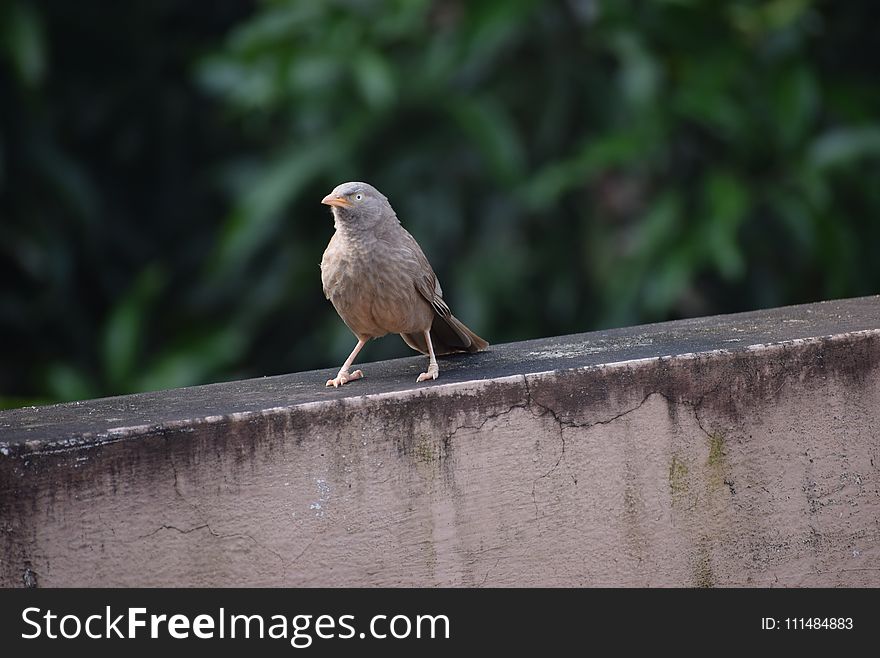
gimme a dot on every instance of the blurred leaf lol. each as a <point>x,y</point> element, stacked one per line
<point>70,182</point>
<point>274,27</point>
<point>489,127</point>
<point>250,87</point>
<point>605,151</point>
<point>490,28</point>
<point>21,31</point>
<point>781,13</point>
<point>660,227</point>
<point>794,211</point>
<point>194,360</point>
<point>844,146</point>
<point>642,277</point>
<point>758,18</point>
<point>65,382</point>
<point>251,224</point>
<point>316,72</point>
<point>374,78</point>
<point>123,331</point>
<point>11,402</point>
<point>726,202</point>
<point>640,76</point>
<point>796,103</point>
<point>665,285</point>
<point>706,94</point>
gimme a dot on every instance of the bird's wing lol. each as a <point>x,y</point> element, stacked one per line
<point>429,288</point>
<point>447,333</point>
<point>426,282</point>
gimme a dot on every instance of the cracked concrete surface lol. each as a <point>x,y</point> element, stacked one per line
<point>747,465</point>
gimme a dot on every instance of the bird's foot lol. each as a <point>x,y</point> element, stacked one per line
<point>433,373</point>
<point>344,378</point>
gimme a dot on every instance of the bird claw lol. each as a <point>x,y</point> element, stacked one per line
<point>432,373</point>
<point>343,378</point>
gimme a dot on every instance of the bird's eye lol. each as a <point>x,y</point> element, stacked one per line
<point>358,197</point>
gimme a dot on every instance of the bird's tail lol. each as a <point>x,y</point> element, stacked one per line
<point>448,336</point>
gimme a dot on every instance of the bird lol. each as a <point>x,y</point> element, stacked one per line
<point>380,282</point>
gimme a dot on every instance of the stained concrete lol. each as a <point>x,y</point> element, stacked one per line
<point>738,450</point>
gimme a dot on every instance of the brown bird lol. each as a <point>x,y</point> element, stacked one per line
<point>380,282</point>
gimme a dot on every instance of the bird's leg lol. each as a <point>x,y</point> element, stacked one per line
<point>342,377</point>
<point>433,370</point>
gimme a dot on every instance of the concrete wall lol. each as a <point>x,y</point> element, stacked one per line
<point>635,459</point>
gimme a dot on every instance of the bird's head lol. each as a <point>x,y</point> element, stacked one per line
<point>358,204</point>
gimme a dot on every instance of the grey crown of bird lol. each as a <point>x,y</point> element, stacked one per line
<point>380,282</point>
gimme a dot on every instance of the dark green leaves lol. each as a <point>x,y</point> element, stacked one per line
<point>565,165</point>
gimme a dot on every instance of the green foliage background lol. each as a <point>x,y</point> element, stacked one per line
<point>566,165</point>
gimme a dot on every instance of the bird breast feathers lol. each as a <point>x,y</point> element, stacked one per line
<point>379,268</point>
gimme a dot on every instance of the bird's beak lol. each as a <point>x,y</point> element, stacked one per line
<point>339,201</point>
